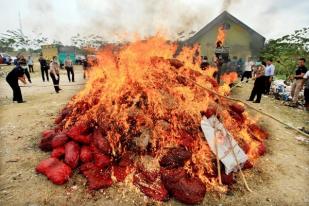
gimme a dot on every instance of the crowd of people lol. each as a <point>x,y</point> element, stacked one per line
<point>23,68</point>
<point>263,74</point>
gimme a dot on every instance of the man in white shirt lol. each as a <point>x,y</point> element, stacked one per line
<point>30,64</point>
<point>68,65</point>
<point>248,70</point>
<point>269,73</point>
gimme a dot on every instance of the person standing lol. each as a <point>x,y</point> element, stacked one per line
<point>68,65</point>
<point>30,64</point>
<point>44,68</point>
<point>54,73</point>
<point>248,70</point>
<point>269,73</point>
<point>86,66</point>
<point>12,79</point>
<point>298,81</point>
<point>306,91</point>
<point>259,84</point>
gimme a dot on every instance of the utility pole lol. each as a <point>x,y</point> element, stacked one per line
<point>20,24</point>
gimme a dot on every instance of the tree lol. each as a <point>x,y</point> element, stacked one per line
<point>90,41</point>
<point>17,40</point>
<point>286,50</point>
<point>6,44</point>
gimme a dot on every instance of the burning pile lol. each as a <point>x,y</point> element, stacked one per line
<point>139,117</point>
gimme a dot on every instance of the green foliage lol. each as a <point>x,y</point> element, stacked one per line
<point>15,39</point>
<point>90,41</point>
<point>286,50</point>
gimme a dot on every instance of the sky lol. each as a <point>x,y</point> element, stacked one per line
<point>118,19</point>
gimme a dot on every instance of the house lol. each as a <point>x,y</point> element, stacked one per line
<point>48,51</point>
<point>241,40</point>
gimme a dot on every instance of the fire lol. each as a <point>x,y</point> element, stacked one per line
<point>143,101</point>
<point>221,35</point>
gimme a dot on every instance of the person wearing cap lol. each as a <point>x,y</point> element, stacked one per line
<point>54,73</point>
<point>18,73</point>
<point>25,68</point>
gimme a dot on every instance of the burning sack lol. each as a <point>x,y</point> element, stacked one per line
<point>96,178</point>
<point>78,133</point>
<point>175,158</point>
<point>188,190</point>
<point>149,182</point>
<point>55,170</point>
<point>214,131</point>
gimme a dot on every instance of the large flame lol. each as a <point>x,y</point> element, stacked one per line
<point>141,90</point>
<point>221,34</point>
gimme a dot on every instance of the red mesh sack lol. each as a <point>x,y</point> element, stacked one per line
<point>48,133</point>
<point>101,142</point>
<point>238,108</point>
<point>71,156</point>
<point>101,160</point>
<point>188,190</point>
<point>46,142</point>
<point>55,170</point>
<point>57,152</point>
<point>151,185</point>
<point>59,140</point>
<point>85,154</point>
<point>175,157</point>
<point>96,177</point>
<point>120,172</point>
<point>77,133</point>
<point>227,179</point>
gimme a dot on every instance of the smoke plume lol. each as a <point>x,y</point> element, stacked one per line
<point>228,3</point>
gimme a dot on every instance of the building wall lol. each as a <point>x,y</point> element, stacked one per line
<point>49,51</point>
<point>241,42</point>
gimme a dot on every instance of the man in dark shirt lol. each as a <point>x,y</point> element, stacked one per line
<point>44,68</point>
<point>20,57</point>
<point>298,82</point>
<point>86,65</point>
<point>12,79</point>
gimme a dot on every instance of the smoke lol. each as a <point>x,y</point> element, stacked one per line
<point>119,20</point>
<point>228,3</point>
<point>43,19</point>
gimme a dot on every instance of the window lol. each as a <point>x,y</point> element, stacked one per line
<point>226,26</point>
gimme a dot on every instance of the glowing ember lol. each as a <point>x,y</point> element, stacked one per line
<point>141,102</point>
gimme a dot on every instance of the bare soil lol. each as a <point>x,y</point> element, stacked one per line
<point>281,177</point>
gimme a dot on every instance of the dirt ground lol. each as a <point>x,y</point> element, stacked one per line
<point>281,177</point>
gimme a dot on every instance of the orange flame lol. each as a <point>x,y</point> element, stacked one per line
<point>221,35</point>
<point>139,93</point>
<point>229,78</point>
